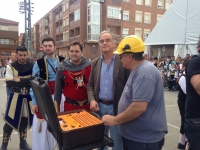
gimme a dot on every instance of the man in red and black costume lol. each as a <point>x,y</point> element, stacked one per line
<point>71,78</point>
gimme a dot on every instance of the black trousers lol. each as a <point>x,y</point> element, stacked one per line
<point>23,125</point>
<point>181,106</point>
<point>171,84</point>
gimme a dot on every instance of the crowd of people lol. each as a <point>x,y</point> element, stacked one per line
<point>121,86</point>
<point>171,69</point>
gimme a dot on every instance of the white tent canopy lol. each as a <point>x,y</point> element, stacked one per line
<point>180,25</point>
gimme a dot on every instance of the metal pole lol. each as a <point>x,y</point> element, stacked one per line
<point>25,34</point>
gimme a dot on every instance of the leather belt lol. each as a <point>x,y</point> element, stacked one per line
<point>76,102</point>
<point>106,102</point>
<point>23,91</point>
<point>194,121</point>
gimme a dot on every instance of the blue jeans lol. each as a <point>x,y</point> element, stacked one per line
<point>132,145</point>
<point>192,132</point>
<point>114,134</point>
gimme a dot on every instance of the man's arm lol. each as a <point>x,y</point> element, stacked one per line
<point>90,90</point>
<point>195,81</point>
<point>182,84</point>
<point>134,110</point>
<point>36,70</point>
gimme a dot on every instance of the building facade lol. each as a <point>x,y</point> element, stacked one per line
<point>8,37</point>
<point>83,20</point>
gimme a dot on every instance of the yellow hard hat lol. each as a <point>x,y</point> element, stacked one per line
<point>131,43</point>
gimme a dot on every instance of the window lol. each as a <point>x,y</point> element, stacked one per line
<point>5,53</point>
<point>139,2</point>
<point>138,16</point>
<point>94,13</point>
<point>126,0</point>
<point>146,33</point>
<point>160,4</point>
<point>167,4</point>
<point>114,12</point>
<point>67,36</point>
<point>77,15</point>
<point>64,7</point>
<point>148,3</point>
<point>125,15</point>
<point>147,18</point>
<point>50,16</point>
<point>159,17</point>
<point>125,32</point>
<point>138,32</point>
<point>4,41</point>
<point>67,21</point>
<point>67,5</point>
<point>93,32</point>
<point>50,29</point>
<point>6,28</point>
<point>64,36</point>
<point>64,22</point>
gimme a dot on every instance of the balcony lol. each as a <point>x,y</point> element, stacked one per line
<point>115,22</point>
<point>117,37</point>
<point>74,6</point>
<point>74,38</point>
<point>74,24</point>
<point>59,29</point>
<point>71,7</point>
<point>114,2</point>
<point>57,17</point>
<point>71,38</point>
<point>8,46</point>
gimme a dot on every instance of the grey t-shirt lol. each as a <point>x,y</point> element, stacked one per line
<point>144,85</point>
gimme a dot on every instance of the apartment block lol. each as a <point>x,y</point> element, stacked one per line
<point>83,20</point>
<point>8,37</point>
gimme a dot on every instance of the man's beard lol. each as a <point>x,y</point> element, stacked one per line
<point>22,62</point>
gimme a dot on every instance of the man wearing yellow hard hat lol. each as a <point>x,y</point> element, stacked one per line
<point>141,110</point>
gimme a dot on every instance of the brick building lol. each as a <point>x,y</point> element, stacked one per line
<point>8,37</point>
<point>83,20</point>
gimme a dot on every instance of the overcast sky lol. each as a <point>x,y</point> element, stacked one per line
<point>9,9</point>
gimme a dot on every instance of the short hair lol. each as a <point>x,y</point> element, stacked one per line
<point>103,32</point>
<point>185,62</point>
<point>137,56</point>
<point>76,43</point>
<point>21,48</point>
<point>48,39</point>
<point>155,58</point>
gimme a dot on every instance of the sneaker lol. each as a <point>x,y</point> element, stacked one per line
<point>181,146</point>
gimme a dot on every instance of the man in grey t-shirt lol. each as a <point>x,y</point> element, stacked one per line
<point>141,110</point>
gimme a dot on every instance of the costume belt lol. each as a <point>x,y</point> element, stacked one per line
<point>23,91</point>
<point>76,102</point>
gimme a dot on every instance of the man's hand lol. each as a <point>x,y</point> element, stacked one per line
<point>109,120</point>
<point>16,79</point>
<point>94,106</point>
<point>34,108</point>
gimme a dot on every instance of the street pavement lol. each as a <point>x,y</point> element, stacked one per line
<point>173,120</point>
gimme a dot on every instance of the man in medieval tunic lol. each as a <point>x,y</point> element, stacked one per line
<point>72,77</point>
<point>45,68</point>
<point>18,113</point>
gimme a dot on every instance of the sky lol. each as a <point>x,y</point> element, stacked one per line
<point>9,9</point>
